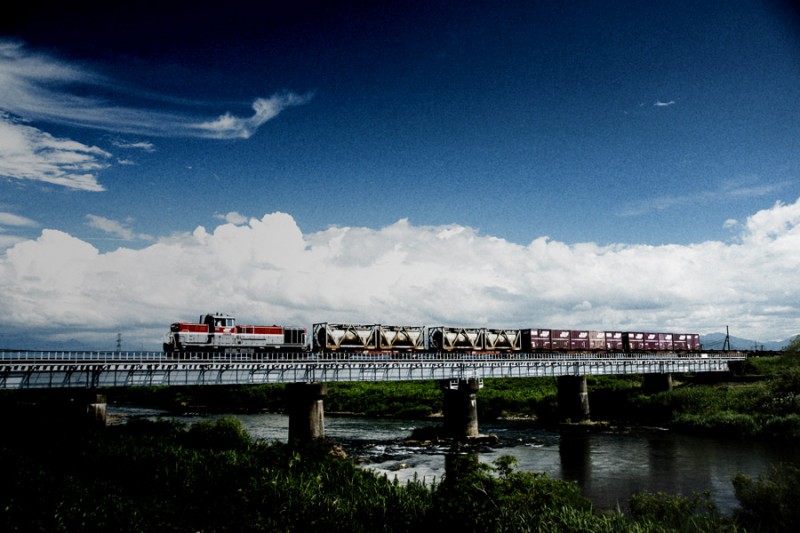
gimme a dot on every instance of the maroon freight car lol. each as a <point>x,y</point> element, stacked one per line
<point>614,341</point>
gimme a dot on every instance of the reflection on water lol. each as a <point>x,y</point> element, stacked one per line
<point>608,467</point>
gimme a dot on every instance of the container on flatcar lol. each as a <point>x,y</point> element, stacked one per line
<point>401,338</point>
<point>503,340</point>
<point>578,340</point>
<point>632,341</point>
<point>597,340</point>
<point>449,339</point>
<point>536,340</point>
<point>693,342</point>
<point>680,342</point>
<point>651,342</point>
<point>665,342</point>
<point>614,341</point>
<point>560,339</point>
<point>331,337</point>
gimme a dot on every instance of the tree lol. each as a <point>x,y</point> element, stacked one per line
<point>792,350</point>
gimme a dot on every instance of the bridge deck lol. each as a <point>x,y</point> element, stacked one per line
<point>124,369</point>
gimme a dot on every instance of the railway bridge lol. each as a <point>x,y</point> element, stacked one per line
<point>306,376</point>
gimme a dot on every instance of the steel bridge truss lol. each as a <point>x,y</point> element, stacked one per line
<point>156,370</point>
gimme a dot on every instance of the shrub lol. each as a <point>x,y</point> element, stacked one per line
<point>678,513</point>
<point>783,426</point>
<point>722,423</point>
<point>223,434</point>
<point>770,503</point>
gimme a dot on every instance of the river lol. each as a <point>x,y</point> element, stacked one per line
<point>608,467</point>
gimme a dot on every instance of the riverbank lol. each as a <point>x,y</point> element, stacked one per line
<point>213,476</point>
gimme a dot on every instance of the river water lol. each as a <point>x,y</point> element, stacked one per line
<point>608,467</point>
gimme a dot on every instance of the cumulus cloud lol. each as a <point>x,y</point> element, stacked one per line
<point>269,271</point>
<point>42,87</point>
<point>27,153</point>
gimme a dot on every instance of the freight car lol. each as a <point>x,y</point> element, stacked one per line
<point>330,337</point>
<point>368,338</point>
<point>219,333</point>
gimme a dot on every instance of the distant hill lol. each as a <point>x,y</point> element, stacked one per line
<point>715,341</point>
<point>22,342</point>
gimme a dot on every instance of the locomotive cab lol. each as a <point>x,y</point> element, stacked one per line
<point>218,322</point>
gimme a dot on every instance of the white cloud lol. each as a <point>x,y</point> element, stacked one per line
<point>269,271</point>
<point>115,227</point>
<point>730,223</point>
<point>27,153</point>
<point>768,225</point>
<point>228,126</point>
<point>142,145</point>
<point>233,218</point>
<point>45,88</point>
<point>14,221</point>
<point>10,219</point>
<point>659,103</point>
<point>735,189</point>
<point>7,241</point>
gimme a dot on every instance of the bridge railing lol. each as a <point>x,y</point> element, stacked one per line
<point>343,357</point>
<point>71,356</point>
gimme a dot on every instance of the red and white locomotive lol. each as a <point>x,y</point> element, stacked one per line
<point>219,333</point>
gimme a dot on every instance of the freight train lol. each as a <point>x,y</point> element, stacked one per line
<point>219,333</point>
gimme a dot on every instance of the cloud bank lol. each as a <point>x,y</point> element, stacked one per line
<point>268,271</point>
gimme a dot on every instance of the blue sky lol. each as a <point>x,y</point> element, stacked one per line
<point>640,129</point>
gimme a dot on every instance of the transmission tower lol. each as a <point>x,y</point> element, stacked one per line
<point>119,342</point>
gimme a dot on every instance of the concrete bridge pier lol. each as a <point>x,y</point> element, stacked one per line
<point>573,398</point>
<point>306,413</point>
<point>655,383</point>
<point>461,407</point>
<point>96,410</point>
